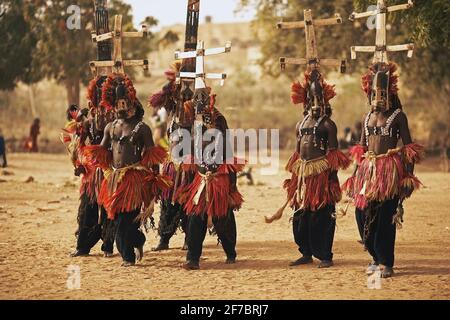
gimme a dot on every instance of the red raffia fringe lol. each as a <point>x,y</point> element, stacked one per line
<point>97,156</point>
<point>91,182</point>
<point>384,177</point>
<point>413,153</point>
<point>154,156</point>
<point>169,169</point>
<point>357,152</point>
<point>157,100</point>
<point>137,188</point>
<point>320,191</point>
<point>189,111</point>
<point>221,193</point>
<point>337,160</point>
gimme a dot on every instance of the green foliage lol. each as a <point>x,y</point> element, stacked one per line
<point>332,41</point>
<point>427,19</point>
<point>17,44</point>
<point>41,46</point>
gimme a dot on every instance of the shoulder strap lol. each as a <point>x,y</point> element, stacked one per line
<point>136,128</point>
<point>387,128</point>
<point>366,127</point>
<point>302,124</point>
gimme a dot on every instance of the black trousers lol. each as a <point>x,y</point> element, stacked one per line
<point>108,232</point>
<point>226,231</point>
<point>128,235</point>
<point>360,221</point>
<point>90,231</point>
<point>379,231</point>
<point>172,216</point>
<point>314,232</point>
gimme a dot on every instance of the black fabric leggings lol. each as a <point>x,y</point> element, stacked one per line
<point>128,235</point>
<point>90,231</point>
<point>226,231</point>
<point>314,232</point>
<point>379,231</point>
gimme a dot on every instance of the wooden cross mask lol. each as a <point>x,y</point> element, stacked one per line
<point>380,49</point>
<point>312,57</point>
<point>199,75</point>
<point>117,63</point>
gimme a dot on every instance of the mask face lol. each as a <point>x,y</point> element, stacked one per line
<point>123,110</point>
<point>315,96</point>
<point>379,94</point>
<point>201,101</point>
<point>186,92</point>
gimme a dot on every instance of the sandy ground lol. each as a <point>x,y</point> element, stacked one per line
<point>38,220</point>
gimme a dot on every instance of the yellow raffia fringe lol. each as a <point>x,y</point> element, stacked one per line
<point>118,174</point>
<point>306,168</point>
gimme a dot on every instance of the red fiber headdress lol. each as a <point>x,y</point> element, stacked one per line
<point>367,79</point>
<point>109,98</point>
<point>298,90</point>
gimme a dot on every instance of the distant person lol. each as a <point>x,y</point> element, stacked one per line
<point>357,131</point>
<point>31,143</point>
<point>159,126</point>
<point>3,162</point>
<point>347,140</point>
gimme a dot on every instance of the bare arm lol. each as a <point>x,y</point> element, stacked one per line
<point>147,137</point>
<point>106,142</point>
<point>84,132</point>
<point>405,134</point>
<point>363,140</point>
<point>332,134</point>
<point>297,137</point>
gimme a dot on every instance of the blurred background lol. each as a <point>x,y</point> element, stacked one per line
<point>44,65</point>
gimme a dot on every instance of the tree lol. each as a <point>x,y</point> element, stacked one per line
<point>427,25</point>
<point>333,41</point>
<point>16,47</point>
<point>64,54</point>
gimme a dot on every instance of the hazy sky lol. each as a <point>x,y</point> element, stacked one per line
<point>169,12</point>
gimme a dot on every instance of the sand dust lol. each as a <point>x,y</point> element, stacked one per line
<point>38,221</point>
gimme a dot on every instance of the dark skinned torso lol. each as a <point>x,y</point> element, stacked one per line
<point>305,144</point>
<point>380,144</point>
<point>129,151</point>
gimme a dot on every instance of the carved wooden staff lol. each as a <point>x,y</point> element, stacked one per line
<point>381,49</point>
<point>188,65</point>
<point>312,57</point>
<point>101,23</point>
<point>185,89</point>
<point>117,63</point>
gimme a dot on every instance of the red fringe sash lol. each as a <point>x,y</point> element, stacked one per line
<point>319,189</point>
<point>130,188</point>
<point>218,194</point>
<point>384,177</point>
